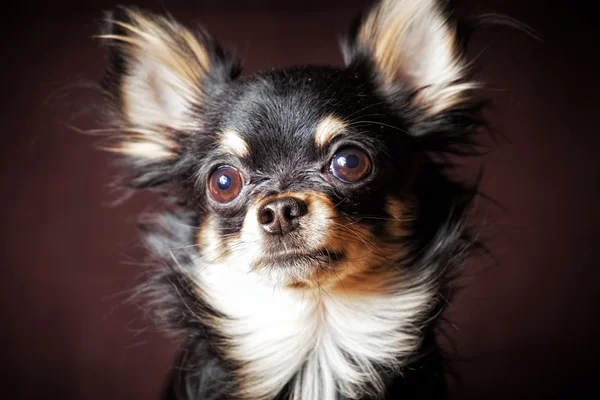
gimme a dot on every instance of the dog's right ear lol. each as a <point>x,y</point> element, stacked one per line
<point>159,78</point>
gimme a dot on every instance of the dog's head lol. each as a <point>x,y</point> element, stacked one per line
<point>306,175</point>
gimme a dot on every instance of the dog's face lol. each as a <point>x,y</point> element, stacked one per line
<point>305,182</point>
<point>305,176</point>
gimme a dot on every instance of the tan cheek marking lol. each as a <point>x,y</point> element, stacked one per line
<point>368,268</point>
<point>318,205</point>
<point>328,128</point>
<point>368,280</point>
<point>342,235</point>
<point>250,228</point>
<point>329,230</point>
<point>398,213</point>
<point>321,220</point>
<point>367,265</point>
<point>234,143</point>
<point>209,242</point>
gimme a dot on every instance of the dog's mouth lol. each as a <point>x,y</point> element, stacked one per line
<point>299,260</point>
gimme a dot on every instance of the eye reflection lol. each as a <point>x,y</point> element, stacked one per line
<point>224,182</point>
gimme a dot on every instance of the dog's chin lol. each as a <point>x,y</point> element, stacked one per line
<point>296,269</point>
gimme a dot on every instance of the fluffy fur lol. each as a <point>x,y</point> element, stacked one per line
<point>345,304</point>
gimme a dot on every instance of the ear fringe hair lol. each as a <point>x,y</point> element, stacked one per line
<point>155,154</point>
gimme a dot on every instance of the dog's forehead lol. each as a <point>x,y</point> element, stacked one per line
<point>291,102</point>
<point>287,113</point>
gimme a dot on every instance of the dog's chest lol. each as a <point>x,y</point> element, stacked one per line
<point>323,344</point>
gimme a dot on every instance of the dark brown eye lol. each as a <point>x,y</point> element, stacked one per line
<point>350,165</point>
<point>224,184</point>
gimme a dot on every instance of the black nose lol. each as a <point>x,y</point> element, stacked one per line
<point>280,215</point>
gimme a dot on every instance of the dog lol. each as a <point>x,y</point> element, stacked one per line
<point>312,229</point>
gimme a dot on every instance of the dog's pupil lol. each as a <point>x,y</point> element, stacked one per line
<point>224,182</point>
<point>352,161</point>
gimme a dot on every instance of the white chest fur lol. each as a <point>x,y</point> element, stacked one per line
<point>325,343</point>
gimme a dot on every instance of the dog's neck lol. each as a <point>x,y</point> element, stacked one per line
<point>322,342</point>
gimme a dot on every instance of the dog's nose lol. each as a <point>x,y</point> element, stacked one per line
<point>281,215</point>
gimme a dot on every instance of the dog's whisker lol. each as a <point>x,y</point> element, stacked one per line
<point>379,123</point>
<point>376,104</point>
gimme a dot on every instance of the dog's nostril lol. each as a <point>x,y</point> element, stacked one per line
<point>266,216</point>
<point>295,209</point>
<point>280,215</point>
<point>288,213</point>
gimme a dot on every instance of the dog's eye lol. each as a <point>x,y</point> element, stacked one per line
<point>224,184</point>
<point>350,165</point>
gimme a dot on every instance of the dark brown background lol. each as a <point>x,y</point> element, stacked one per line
<point>525,327</point>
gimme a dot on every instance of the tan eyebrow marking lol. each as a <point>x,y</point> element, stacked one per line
<point>327,129</point>
<point>234,143</point>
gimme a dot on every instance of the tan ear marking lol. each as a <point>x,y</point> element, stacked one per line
<point>148,150</point>
<point>414,47</point>
<point>161,85</point>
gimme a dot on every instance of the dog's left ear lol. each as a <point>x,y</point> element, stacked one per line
<point>412,50</point>
<point>160,79</point>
